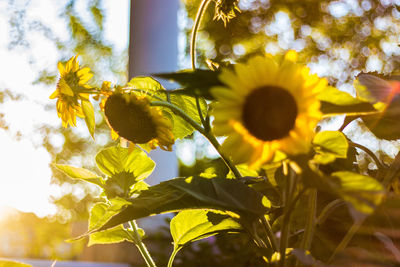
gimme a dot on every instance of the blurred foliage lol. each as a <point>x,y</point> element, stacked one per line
<point>41,237</point>
<point>347,35</point>
<point>86,38</point>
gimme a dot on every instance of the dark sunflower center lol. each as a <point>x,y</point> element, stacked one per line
<point>269,113</point>
<point>129,120</point>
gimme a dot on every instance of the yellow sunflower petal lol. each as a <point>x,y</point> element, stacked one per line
<point>61,68</point>
<point>266,106</point>
<point>54,94</point>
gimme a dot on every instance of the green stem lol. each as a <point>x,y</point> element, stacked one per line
<point>199,15</point>
<point>270,233</point>
<point>328,209</point>
<point>311,222</point>
<point>208,135</point>
<point>347,238</point>
<point>392,172</point>
<point>140,245</point>
<point>172,257</point>
<point>203,122</point>
<point>369,152</point>
<point>285,232</point>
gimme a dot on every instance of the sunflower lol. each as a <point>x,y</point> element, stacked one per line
<point>266,106</point>
<point>225,10</point>
<point>131,117</point>
<point>71,88</point>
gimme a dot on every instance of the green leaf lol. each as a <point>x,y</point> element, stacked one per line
<point>188,105</point>
<point>195,83</point>
<point>80,173</point>
<point>191,225</point>
<point>102,212</point>
<point>330,145</point>
<point>332,109</point>
<point>9,263</point>
<point>110,236</point>
<point>385,125</point>
<point>115,160</point>
<point>364,193</point>
<point>334,102</point>
<point>335,96</point>
<point>88,111</point>
<point>145,83</point>
<point>244,171</point>
<point>227,195</point>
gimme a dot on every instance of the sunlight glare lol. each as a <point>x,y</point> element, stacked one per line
<point>25,180</point>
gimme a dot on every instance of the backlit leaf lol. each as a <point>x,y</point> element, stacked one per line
<point>385,125</point>
<point>330,145</point>
<point>145,83</point>
<point>88,111</point>
<point>335,102</point>
<point>114,160</point>
<point>364,193</point>
<point>80,173</point>
<point>110,236</point>
<point>192,225</point>
<point>102,212</point>
<point>197,82</point>
<point>181,128</point>
<point>192,193</point>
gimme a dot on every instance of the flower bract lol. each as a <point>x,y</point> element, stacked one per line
<point>131,117</point>
<point>225,10</point>
<point>71,89</point>
<point>266,106</point>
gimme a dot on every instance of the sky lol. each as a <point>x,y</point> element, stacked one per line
<point>24,163</point>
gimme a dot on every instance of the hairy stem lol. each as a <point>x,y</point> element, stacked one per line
<point>199,16</point>
<point>347,238</point>
<point>285,232</point>
<point>140,245</point>
<point>328,209</point>
<point>311,222</point>
<point>172,257</point>
<point>270,233</point>
<point>369,152</point>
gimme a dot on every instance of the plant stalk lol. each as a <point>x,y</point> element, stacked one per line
<point>347,238</point>
<point>285,232</point>
<point>270,233</point>
<point>199,16</point>
<point>140,245</point>
<point>172,257</point>
<point>369,153</point>
<point>311,220</point>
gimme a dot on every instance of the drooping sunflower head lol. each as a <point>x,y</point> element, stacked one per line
<point>267,106</point>
<point>131,117</point>
<point>225,10</point>
<point>71,88</point>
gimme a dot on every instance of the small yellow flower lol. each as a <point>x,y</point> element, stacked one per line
<point>225,10</point>
<point>71,89</point>
<point>131,117</point>
<point>266,106</point>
